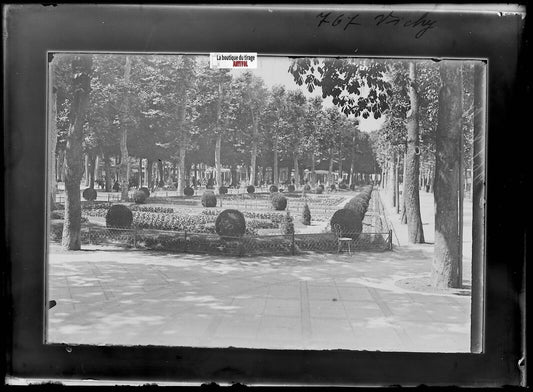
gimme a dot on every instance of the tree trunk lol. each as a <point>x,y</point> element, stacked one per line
<point>397,184</point>
<point>81,83</point>
<point>393,180</point>
<point>296,171</point>
<point>86,169</point>
<point>92,170</point>
<point>404,210</point>
<point>330,168</point>
<point>149,170</point>
<point>218,145</point>
<point>52,134</point>
<point>275,169</point>
<point>411,194</point>
<point>255,126</point>
<point>61,166</point>
<point>313,168</point>
<point>447,261</point>
<point>141,173</point>
<point>124,157</point>
<point>218,164</point>
<point>107,169</point>
<point>161,173</point>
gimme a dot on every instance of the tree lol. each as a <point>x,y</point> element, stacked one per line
<point>250,98</point>
<point>81,66</point>
<point>214,110</point>
<point>447,261</point>
<point>293,133</point>
<point>275,121</point>
<point>314,123</point>
<point>412,164</point>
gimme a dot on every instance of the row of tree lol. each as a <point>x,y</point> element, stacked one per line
<point>174,107</point>
<point>431,109</point>
<point>177,109</point>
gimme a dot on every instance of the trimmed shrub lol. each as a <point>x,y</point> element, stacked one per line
<point>250,189</point>
<point>291,188</point>
<point>89,194</point>
<point>319,190</point>
<point>230,223</point>
<point>209,199</point>
<point>287,224</point>
<point>273,189</point>
<point>307,187</point>
<point>342,185</point>
<point>306,215</point>
<point>188,191</point>
<point>222,190</point>
<point>348,222</point>
<point>119,216</point>
<point>139,197</point>
<point>332,187</point>
<point>279,202</point>
<point>146,191</point>
<point>357,205</point>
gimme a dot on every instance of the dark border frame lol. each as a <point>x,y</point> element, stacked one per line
<point>33,30</point>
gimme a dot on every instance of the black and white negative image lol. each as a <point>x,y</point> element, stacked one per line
<point>308,203</point>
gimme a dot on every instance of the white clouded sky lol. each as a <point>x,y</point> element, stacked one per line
<point>274,70</point>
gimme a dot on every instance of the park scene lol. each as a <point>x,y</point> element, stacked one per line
<point>311,203</point>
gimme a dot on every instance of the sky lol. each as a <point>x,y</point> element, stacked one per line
<point>274,70</point>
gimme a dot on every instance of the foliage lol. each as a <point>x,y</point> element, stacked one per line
<point>89,194</point>
<point>344,80</point>
<point>209,199</point>
<point>188,191</point>
<point>348,222</point>
<point>119,216</point>
<point>273,189</point>
<point>279,202</point>
<point>230,223</point>
<point>287,224</point>
<point>146,191</point>
<point>290,188</point>
<point>222,190</point>
<point>139,197</point>
<point>250,189</point>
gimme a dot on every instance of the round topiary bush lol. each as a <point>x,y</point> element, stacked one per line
<point>306,215</point>
<point>279,202</point>
<point>291,188</point>
<point>139,197</point>
<point>342,185</point>
<point>188,191</point>
<point>209,199</point>
<point>230,223</point>
<point>273,189</point>
<point>332,187</point>
<point>222,190</point>
<point>319,190</point>
<point>346,223</point>
<point>250,189</point>
<point>146,191</point>
<point>307,187</point>
<point>89,194</point>
<point>119,216</point>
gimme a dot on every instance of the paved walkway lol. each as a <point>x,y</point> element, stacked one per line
<point>130,297</point>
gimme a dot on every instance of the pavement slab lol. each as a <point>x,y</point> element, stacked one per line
<point>110,296</point>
